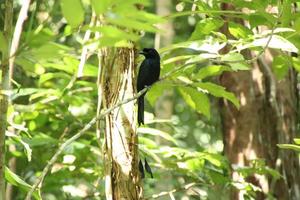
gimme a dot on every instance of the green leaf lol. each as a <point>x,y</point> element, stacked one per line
<point>297,140</point>
<point>132,23</point>
<point>155,92</point>
<point>114,32</point>
<point>15,180</point>
<point>195,164</point>
<point>156,132</point>
<point>18,139</point>
<point>49,50</point>
<point>100,6</point>
<point>213,70</point>
<point>197,100</point>
<point>276,42</point>
<point>73,12</point>
<point>146,17</point>
<point>239,31</point>
<point>296,25</point>
<point>218,177</point>
<point>3,43</point>
<point>176,59</point>
<point>214,159</point>
<point>280,66</point>
<point>23,92</point>
<point>261,18</point>
<point>205,27</point>
<point>40,140</point>
<point>48,76</point>
<point>289,146</point>
<point>219,91</point>
<point>236,61</point>
<point>90,70</point>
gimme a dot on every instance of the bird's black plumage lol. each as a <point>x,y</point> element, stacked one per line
<point>148,74</point>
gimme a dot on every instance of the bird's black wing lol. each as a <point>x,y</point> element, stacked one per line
<point>143,74</point>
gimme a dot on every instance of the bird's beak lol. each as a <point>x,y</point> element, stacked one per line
<point>141,52</point>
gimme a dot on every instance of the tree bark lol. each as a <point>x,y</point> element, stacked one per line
<point>121,142</point>
<point>4,92</point>
<point>267,116</point>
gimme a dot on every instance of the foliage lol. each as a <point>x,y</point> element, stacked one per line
<point>295,147</point>
<point>49,106</point>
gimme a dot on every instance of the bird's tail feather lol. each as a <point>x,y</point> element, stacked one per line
<point>141,110</point>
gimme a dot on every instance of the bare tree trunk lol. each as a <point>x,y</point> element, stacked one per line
<point>267,116</point>
<point>121,150</point>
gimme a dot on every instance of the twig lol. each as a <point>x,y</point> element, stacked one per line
<point>85,47</point>
<point>17,34</point>
<point>83,56</point>
<point>185,187</point>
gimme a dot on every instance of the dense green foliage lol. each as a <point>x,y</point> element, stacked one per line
<point>49,105</point>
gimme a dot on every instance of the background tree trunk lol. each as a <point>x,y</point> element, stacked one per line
<point>164,104</point>
<point>121,150</point>
<point>267,116</point>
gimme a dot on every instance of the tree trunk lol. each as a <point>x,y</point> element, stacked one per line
<point>267,116</point>
<point>121,150</point>
<point>164,104</point>
<point>4,91</point>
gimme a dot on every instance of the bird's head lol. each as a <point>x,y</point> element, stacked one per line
<point>150,53</point>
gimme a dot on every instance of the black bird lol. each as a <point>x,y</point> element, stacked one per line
<point>148,74</point>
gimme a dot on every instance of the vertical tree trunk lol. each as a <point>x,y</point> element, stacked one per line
<point>267,116</point>
<point>121,150</point>
<point>4,91</point>
<point>164,105</point>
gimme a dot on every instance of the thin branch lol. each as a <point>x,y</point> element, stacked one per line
<point>221,12</point>
<point>17,34</point>
<point>76,136</point>
<point>165,193</point>
<point>83,56</point>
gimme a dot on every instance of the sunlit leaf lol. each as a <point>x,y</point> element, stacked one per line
<point>289,146</point>
<point>73,12</point>
<point>276,42</point>
<point>238,30</point>
<point>133,24</point>
<point>100,6</point>
<point>297,140</point>
<point>114,32</point>
<point>213,70</point>
<point>219,91</point>
<point>196,100</point>
<point>49,76</point>
<point>156,132</point>
<point>205,27</point>
<point>176,59</point>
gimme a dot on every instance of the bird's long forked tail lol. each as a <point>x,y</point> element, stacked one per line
<point>141,109</point>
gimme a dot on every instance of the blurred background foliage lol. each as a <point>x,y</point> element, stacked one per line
<point>48,106</point>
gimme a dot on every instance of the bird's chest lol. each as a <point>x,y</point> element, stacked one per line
<point>153,69</point>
